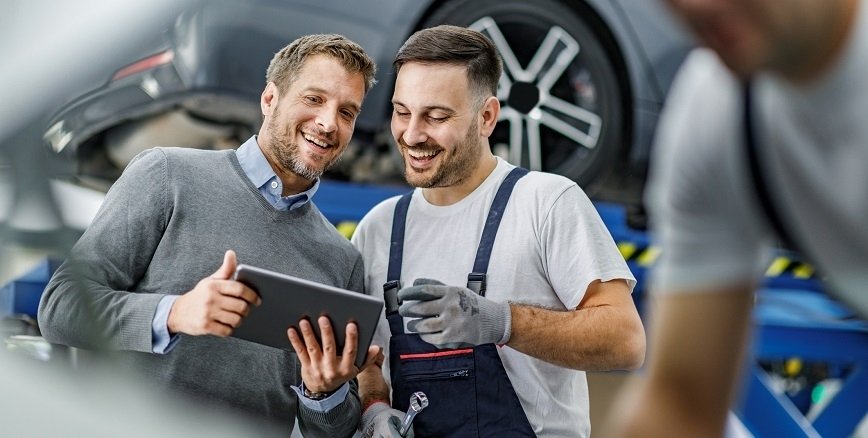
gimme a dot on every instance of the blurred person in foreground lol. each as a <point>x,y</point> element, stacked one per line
<point>146,277</point>
<point>764,138</point>
<point>501,351</point>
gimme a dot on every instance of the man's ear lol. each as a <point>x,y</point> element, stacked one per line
<point>268,100</point>
<point>490,113</point>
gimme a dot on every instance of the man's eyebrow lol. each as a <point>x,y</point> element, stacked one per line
<point>429,108</point>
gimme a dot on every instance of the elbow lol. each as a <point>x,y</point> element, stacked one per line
<point>634,354</point>
<point>633,348</point>
<point>44,317</point>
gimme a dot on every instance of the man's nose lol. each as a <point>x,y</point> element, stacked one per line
<point>415,132</point>
<point>326,120</point>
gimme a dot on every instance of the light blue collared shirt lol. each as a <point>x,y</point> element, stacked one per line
<point>259,172</point>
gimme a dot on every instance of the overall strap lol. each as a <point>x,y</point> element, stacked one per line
<point>476,279</point>
<point>396,254</point>
<point>758,176</point>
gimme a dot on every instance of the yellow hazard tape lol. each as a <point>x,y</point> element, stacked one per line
<point>645,256</point>
<point>346,228</point>
<point>784,265</point>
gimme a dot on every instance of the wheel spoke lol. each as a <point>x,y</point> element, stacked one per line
<point>534,142</point>
<point>562,59</point>
<point>516,123</point>
<point>594,121</point>
<point>510,62</point>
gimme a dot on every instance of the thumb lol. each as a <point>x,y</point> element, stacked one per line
<point>421,281</point>
<point>395,427</point>
<point>227,268</point>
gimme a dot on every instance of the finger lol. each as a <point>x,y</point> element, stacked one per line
<point>351,347</point>
<point>375,357</point>
<point>310,341</point>
<point>421,309</point>
<point>232,288</point>
<point>381,357</point>
<point>424,281</point>
<point>395,427</point>
<point>230,319</point>
<point>227,268</point>
<point>298,346</point>
<point>427,325</point>
<point>326,333</point>
<point>421,293</point>
<point>234,305</point>
<point>217,328</point>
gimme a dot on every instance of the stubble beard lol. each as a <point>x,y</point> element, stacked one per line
<point>288,154</point>
<point>452,171</point>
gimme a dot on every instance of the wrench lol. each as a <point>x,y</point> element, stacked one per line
<point>418,401</point>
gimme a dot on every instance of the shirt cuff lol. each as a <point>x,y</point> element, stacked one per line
<point>162,341</point>
<point>325,404</point>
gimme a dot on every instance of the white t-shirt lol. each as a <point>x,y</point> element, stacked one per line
<point>550,246</point>
<point>813,141</point>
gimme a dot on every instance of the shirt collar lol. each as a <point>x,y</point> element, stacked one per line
<point>254,163</point>
<point>259,171</point>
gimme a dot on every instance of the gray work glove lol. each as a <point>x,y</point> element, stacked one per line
<point>452,316</point>
<point>381,421</point>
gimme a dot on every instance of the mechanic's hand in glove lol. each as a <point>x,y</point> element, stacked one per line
<point>381,421</point>
<point>452,316</point>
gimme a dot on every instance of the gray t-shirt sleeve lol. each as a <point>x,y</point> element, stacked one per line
<point>700,204</point>
<point>88,303</point>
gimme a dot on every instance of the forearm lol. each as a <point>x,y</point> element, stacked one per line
<point>372,386</point>
<point>698,343</point>
<point>78,311</point>
<point>592,339</point>
<point>341,421</point>
<point>88,303</point>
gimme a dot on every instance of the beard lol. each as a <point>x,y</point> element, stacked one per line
<point>288,153</point>
<point>454,168</point>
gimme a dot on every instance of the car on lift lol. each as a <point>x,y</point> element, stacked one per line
<point>583,83</point>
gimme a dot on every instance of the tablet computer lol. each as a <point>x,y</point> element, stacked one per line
<point>286,300</point>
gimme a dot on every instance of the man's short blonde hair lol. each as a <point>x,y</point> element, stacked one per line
<point>287,63</point>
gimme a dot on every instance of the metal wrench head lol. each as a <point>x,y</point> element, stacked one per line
<point>418,401</point>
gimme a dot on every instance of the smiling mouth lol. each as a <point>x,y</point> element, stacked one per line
<point>322,144</point>
<point>422,155</point>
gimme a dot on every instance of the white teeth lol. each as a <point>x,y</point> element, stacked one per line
<point>315,141</point>
<point>421,154</point>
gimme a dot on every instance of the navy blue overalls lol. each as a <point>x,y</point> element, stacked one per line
<point>468,389</point>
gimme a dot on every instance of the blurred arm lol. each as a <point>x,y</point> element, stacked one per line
<point>698,342</point>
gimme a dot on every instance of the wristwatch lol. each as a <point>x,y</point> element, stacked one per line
<point>315,395</point>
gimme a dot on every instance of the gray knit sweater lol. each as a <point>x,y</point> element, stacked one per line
<point>165,225</point>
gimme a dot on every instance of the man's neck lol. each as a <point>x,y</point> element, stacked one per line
<point>293,183</point>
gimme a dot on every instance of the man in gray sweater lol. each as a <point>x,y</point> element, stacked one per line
<point>142,278</point>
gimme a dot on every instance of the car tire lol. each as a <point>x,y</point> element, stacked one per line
<point>573,124</point>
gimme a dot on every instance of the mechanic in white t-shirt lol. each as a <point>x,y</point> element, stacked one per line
<point>502,351</point>
<point>733,174</point>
